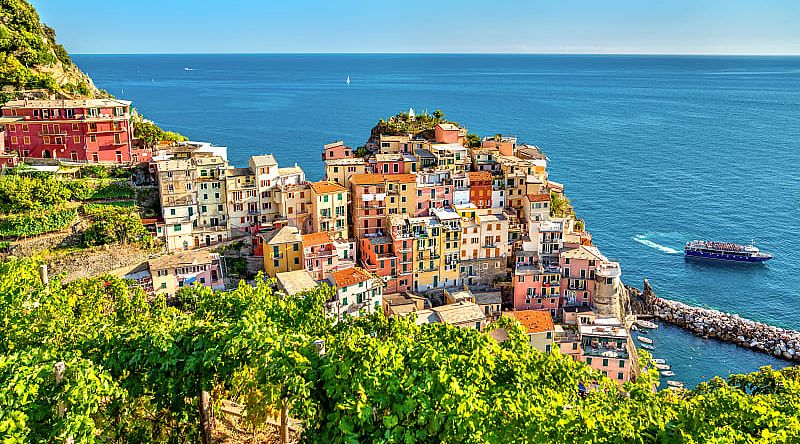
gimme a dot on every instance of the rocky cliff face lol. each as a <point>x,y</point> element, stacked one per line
<point>31,59</point>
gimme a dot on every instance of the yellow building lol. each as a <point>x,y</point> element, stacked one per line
<point>283,250</point>
<point>329,203</point>
<point>401,190</point>
<point>436,246</point>
<point>341,170</point>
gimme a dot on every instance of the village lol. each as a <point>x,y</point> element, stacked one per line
<point>425,220</point>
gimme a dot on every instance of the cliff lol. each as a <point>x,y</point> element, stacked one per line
<point>31,59</point>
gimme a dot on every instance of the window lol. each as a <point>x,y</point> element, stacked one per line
<point>92,138</point>
<point>297,261</point>
<point>620,376</point>
<point>163,285</point>
<point>549,335</point>
<point>296,247</point>
<point>176,227</point>
<point>76,139</point>
<point>605,362</point>
<point>344,301</point>
<point>172,211</point>
<point>26,140</point>
<point>621,363</point>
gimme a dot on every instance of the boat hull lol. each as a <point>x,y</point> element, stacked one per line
<point>694,254</point>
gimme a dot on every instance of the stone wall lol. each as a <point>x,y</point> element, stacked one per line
<point>779,342</point>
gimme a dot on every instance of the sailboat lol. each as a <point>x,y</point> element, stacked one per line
<point>348,80</point>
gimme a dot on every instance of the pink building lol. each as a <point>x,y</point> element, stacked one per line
<point>89,130</point>
<point>336,150</point>
<point>604,346</point>
<point>536,286</point>
<point>319,255</point>
<point>578,267</point>
<point>397,163</point>
<point>434,190</point>
<point>446,133</point>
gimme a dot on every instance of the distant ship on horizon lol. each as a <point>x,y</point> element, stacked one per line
<point>725,251</point>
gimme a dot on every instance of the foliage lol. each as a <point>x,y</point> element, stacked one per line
<point>402,124</point>
<point>26,46</point>
<point>474,140</point>
<point>361,151</point>
<point>140,368</point>
<point>115,225</point>
<point>114,190</point>
<point>560,205</point>
<point>36,223</point>
<point>236,266</point>
<point>20,193</point>
<point>149,133</point>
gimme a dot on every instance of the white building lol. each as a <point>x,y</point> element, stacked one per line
<point>357,292</point>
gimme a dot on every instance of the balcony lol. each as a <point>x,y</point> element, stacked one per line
<point>47,132</point>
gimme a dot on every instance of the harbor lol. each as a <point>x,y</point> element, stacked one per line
<point>713,324</point>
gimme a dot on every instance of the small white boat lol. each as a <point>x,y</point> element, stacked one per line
<point>647,347</point>
<point>646,324</point>
<point>348,80</point>
<point>663,366</point>
<point>659,361</point>
<point>675,384</point>
<point>668,373</point>
<point>644,339</point>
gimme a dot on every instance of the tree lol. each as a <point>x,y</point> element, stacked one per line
<point>473,140</point>
<point>438,115</point>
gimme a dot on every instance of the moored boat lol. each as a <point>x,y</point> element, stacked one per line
<point>646,324</point>
<point>647,347</point>
<point>644,340</point>
<point>662,366</point>
<point>659,361</point>
<point>676,384</point>
<point>668,373</point>
<point>725,251</point>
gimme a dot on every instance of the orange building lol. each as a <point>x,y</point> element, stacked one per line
<point>377,257</point>
<point>480,188</point>
<point>369,204</point>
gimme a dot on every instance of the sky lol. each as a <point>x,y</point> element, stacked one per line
<point>429,26</point>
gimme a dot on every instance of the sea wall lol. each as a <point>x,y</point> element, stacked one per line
<point>779,342</point>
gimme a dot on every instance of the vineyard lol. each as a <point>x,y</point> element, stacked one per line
<point>94,361</point>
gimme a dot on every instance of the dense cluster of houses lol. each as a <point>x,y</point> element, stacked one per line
<point>427,227</point>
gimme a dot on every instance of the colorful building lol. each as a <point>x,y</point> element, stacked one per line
<point>341,170</point>
<point>329,203</point>
<point>321,255</point>
<point>376,254</point>
<point>88,130</point>
<point>480,188</point>
<point>336,150</point>
<point>171,272</point>
<point>536,285</point>
<point>357,292</point>
<point>539,327</point>
<point>283,250</point>
<point>605,346</point>
<point>369,204</point>
<point>578,274</point>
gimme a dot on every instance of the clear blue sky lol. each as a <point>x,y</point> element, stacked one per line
<point>527,26</point>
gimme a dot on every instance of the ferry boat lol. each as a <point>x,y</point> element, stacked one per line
<point>725,251</point>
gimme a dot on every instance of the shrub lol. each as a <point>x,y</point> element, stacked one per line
<point>34,224</point>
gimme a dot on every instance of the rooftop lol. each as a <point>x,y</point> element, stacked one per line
<point>479,175</point>
<point>458,313</point>
<point>324,187</point>
<point>401,178</point>
<point>448,126</point>
<point>282,236</point>
<point>488,297</point>
<point>293,282</point>
<point>539,197</point>
<point>423,153</point>
<point>288,171</point>
<point>583,252</point>
<point>180,259</point>
<point>264,160</point>
<point>606,331</point>
<point>379,240</point>
<point>310,240</point>
<point>334,144</point>
<point>535,321</point>
<point>366,179</point>
<point>345,161</point>
<point>63,103</point>
<point>349,276</point>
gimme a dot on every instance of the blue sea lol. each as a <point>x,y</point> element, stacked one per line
<point>654,150</point>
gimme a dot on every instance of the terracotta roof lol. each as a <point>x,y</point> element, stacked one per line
<point>366,179</point>
<point>401,178</point>
<point>316,239</point>
<point>535,321</point>
<point>327,187</point>
<point>538,197</point>
<point>479,175</point>
<point>349,276</point>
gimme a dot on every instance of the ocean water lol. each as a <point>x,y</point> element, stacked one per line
<point>654,150</point>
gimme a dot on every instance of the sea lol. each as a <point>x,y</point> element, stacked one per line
<point>654,150</point>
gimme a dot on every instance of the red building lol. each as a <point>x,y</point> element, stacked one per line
<point>369,204</point>
<point>91,130</point>
<point>336,150</point>
<point>480,188</point>
<point>377,257</point>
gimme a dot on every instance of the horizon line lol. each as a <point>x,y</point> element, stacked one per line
<point>678,54</point>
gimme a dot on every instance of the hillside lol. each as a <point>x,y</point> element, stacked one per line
<point>30,57</point>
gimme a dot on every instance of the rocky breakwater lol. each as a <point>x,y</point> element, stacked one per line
<point>779,342</point>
